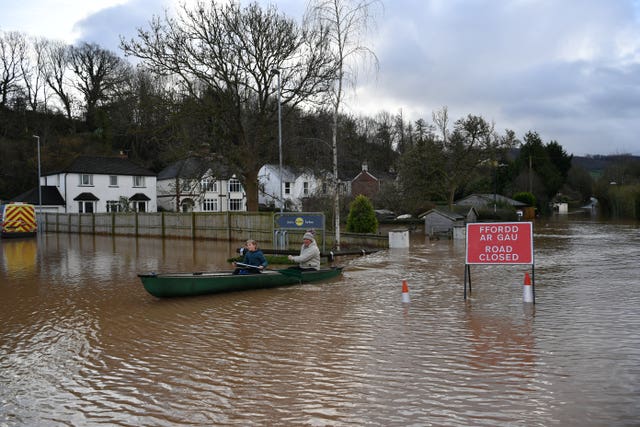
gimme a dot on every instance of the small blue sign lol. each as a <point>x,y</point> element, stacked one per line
<point>300,221</point>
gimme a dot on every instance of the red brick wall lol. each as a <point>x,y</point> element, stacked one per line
<point>365,184</point>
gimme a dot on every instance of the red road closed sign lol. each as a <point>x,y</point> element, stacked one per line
<point>500,243</point>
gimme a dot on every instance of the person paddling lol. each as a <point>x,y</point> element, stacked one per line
<point>252,257</point>
<point>309,258</point>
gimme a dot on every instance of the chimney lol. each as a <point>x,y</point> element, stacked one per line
<point>365,167</point>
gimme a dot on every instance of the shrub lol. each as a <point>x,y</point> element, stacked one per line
<point>526,198</point>
<point>362,217</point>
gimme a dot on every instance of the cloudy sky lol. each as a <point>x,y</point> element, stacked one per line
<point>567,69</point>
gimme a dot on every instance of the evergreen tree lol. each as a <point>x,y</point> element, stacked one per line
<point>362,218</point>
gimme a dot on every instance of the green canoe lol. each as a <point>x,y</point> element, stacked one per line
<point>190,284</point>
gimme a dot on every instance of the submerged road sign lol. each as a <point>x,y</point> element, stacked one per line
<point>499,243</point>
<point>298,221</point>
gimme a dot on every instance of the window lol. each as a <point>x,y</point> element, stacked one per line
<point>113,180</point>
<point>85,207</point>
<point>209,184</point>
<point>234,186</point>
<point>210,205</point>
<point>287,188</point>
<point>305,188</point>
<point>86,179</point>
<point>138,181</point>
<point>235,204</point>
<point>113,206</point>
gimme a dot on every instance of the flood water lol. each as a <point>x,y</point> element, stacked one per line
<point>83,344</point>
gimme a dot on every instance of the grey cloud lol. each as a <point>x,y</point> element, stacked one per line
<point>106,27</point>
<point>568,69</point>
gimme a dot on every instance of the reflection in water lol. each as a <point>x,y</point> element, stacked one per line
<point>81,343</point>
<point>19,255</point>
<point>501,342</point>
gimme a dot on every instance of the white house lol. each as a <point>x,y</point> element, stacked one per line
<point>99,184</point>
<point>295,186</point>
<point>200,185</point>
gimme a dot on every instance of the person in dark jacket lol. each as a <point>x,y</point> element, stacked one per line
<point>252,256</point>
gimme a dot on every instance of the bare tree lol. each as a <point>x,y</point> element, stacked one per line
<point>423,130</point>
<point>442,163</point>
<point>100,75</point>
<point>471,144</point>
<point>225,56</point>
<point>13,54</point>
<point>33,74</point>
<point>56,67</point>
<point>346,22</point>
<point>441,122</point>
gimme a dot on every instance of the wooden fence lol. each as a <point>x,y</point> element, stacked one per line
<point>227,226</point>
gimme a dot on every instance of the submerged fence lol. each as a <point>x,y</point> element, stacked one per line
<point>236,226</point>
<point>192,225</point>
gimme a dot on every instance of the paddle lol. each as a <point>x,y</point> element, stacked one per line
<point>242,264</point>
<point>291,272</point>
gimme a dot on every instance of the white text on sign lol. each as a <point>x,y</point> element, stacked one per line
<point>499,243</point>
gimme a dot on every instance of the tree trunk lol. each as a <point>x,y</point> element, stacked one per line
<point>336,194</point>
<point>251,189</point>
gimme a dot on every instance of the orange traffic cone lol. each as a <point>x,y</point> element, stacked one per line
<point>405,292</point>
<point>527,293</point>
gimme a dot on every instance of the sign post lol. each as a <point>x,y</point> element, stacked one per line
<point>301,221</point>
<point>504,243</point>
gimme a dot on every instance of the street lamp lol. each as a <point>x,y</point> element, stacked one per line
<point>39,186</point>
<point>276,72</point>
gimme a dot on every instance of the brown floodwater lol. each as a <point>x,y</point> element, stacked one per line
<point>83,344</point>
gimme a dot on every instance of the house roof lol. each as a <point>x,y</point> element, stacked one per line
<point>194,168</point>
<point>139,197</point>
<point>86,197</point>
<point>50,196</point>
<point>378,175</point>
<point>453,216</point>
<point>364,175</point>
<point>288,174</point>
<point>104,166</point>
<point>487,199</point>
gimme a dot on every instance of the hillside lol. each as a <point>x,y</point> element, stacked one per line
<point>596,164</point>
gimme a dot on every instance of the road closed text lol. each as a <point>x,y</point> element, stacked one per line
<point>495,253</point>
<point>500,243</point>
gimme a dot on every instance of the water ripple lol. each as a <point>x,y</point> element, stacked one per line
<point>86,346</point>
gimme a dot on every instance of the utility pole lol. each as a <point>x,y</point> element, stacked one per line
<point>277,73</point>
<point>530,176</point>
<point>37,137</point>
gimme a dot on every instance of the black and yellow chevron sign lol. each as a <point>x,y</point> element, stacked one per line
<point>19,219</point>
